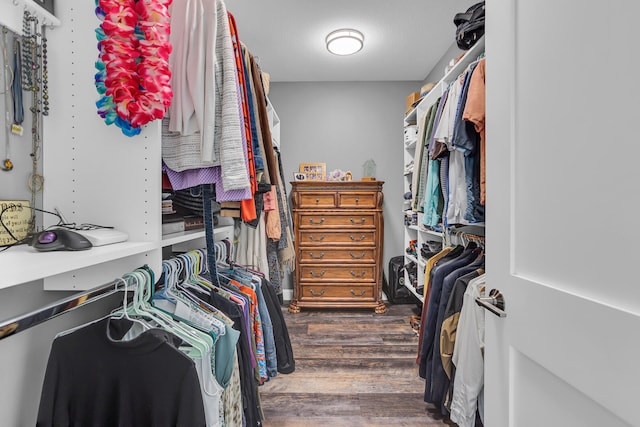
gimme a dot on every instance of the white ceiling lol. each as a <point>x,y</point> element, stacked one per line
<point>404,39</point>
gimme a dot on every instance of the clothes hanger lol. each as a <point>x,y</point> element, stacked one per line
<point>199,342</point>
<point>173,266</point>
<point>75,328</point>
<point>134,311</point>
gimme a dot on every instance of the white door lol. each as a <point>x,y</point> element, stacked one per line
<point>563,213</point>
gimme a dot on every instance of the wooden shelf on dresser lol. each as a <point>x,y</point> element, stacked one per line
<point>339,231</point>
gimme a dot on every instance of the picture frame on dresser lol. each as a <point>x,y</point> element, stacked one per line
<point>314,171</point>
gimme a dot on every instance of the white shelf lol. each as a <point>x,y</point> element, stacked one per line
<point>468,57</point>
<point>430,98</point>
<point>419,262</point>
<point>413,227</point>
<point>410,117</point>
<point>21,264</point>
<point>411,258</point>
<point>437,234</point>
<point>182,236</point>
<point>220,233</point>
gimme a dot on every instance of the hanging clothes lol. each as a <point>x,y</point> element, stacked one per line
<point>475,112</point>
<point>94,377</point>
<point>466,141</point>
<point>468,357</point>
<point>424,162</point>
<point>454,186</point>
<point>247,206</point>
<point>205,102</point>
<point>415,177</point>
<point>442,278</point>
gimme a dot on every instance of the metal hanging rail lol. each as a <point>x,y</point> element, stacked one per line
<point>25,321</point>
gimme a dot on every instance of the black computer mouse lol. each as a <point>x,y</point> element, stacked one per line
<point>60,239</point>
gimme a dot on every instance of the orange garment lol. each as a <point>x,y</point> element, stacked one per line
<point>247,207</point>
<point>475,112</point>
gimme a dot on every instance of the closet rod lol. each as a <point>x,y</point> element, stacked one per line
<point>25,321</point>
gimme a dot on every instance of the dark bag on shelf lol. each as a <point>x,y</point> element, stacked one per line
<point>469,26</point>
<point>394,289</point>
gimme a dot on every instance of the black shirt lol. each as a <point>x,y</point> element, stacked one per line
<point>92,379</point>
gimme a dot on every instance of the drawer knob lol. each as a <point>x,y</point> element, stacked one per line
<point>356,274</point>
<point>353,221</point>
<point>359,294</point>
<point>356,256</point>
<point>314,222</point>
<point>313,238</point>
<point>319,294</point>
<point>357,200</point>
<point>316,256</point>
<point>317,200</point>
<point>314,274</point>
<point>353,238</point>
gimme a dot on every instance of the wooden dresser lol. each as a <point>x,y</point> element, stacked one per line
<point>339,236</point>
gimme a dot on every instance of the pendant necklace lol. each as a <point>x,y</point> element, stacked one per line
<point>45,73</point>
<point>35,181</point>
<point>27,58</point>
<point>16,88</point>
<point>7,164</point>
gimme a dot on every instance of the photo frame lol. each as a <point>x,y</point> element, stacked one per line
<point>299,176</point>
<point>314,171</point>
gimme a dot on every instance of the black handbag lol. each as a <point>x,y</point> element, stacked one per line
<point>469,26</point>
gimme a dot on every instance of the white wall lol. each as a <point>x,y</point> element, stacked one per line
<point>344,124</point>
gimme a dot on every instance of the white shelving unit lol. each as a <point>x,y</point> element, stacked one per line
<point>93,173</point>
<point>417,231</point>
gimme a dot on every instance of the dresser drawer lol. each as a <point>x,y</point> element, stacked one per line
<point>341,273</point>
<point>324,237</point>
<point>350,255</point>
<point>357,200</point>
<point>324,219</point>
<point>319,291</point>
<point>316,200</point>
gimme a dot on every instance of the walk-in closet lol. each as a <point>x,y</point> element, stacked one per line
<point>230,213</point>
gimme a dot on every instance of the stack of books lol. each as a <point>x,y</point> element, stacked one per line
<point>180,221</point>
<point>167,204</point>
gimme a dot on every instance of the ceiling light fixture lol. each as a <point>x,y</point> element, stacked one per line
<point>344,42</point>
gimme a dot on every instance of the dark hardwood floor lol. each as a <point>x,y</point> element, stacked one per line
<point>354,368</point>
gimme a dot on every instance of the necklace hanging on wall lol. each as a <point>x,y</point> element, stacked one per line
<point>16,88</point>
<point>45,73</point>
<point>33,80</point>
<point>27,59</point>
<point>7,164</point>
